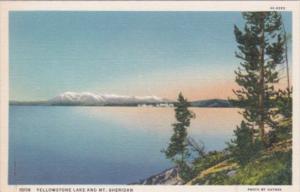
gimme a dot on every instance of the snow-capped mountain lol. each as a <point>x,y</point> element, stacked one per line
<point>87,98</point>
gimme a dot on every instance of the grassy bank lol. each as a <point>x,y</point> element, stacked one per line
<point>271,167</point>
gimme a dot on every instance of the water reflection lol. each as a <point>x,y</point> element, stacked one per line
<point>208,121</point>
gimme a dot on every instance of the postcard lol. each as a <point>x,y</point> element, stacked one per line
<point>133,96</point>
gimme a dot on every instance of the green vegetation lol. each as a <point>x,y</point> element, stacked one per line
<point>244,146</point>
<point>261,49</point>
<point>274,169</point>
<point>261,151</point>
<point>178,150</point>
<point>209,160</point>
<point>271,167</point>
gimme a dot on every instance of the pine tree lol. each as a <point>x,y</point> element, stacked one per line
<point>178,146</point>
<point>178,149</point>
<point>243,148</point>
<point>261,50</point>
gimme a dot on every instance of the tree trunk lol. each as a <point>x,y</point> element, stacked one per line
<point>261,80</point>
<point>286,58</point>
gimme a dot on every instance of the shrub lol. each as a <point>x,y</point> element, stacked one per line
<point>244,147</point>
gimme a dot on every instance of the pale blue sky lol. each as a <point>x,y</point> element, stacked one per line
<point>129,53</point>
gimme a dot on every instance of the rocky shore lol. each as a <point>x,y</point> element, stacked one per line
<point>167,177</point>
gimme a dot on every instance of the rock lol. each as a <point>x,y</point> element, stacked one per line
<point>167,177</point>
<point>231,173</point>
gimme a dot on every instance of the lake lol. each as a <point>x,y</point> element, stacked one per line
<point>102,145</point>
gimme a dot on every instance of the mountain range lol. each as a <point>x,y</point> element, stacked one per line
<point>94,99</point>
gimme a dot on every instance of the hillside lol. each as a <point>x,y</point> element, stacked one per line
<point>273,166</point>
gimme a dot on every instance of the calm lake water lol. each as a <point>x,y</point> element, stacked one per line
<point>102,145</point>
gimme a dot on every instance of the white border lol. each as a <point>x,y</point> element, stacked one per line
<point>5,7</point>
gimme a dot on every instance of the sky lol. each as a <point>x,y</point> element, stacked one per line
<point>124,53</point>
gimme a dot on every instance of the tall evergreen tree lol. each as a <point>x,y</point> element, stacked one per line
<point>261,50</point>
<point>178,146</point>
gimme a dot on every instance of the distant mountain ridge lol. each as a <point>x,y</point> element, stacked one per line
<point>211,103</point>
<point>87,98</point>
<point>94,99</point>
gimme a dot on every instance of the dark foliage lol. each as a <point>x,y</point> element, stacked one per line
<point>178,149</point>
<point>261,50</point>
<point>244,146</point>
